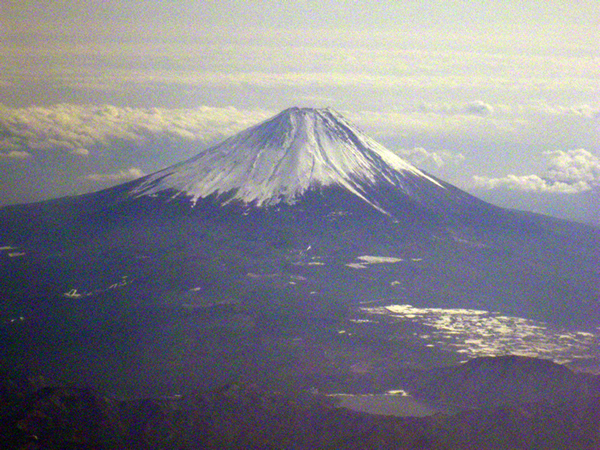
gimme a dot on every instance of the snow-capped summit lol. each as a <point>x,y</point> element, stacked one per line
<point>282,158</point>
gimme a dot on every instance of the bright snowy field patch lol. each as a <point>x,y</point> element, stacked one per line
<point>482,333</point>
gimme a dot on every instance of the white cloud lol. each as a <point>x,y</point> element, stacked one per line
<point>531,183</point>
<point>80,151</point>
<point>411,121</point>
<point>479,108</point>
<point>421,157</point>
<point>123,175</point>
<point>574,166</point>
<point>569,172</point>
<point>79,129</point>
<point>14,155</point>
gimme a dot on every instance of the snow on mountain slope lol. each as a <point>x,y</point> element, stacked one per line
<point>282,158</point>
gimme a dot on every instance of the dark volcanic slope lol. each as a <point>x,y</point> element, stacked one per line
<point>499,381</point>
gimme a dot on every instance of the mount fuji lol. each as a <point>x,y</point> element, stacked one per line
<point>290,155</point>
<point>302,153</point>
<point>301,226</point>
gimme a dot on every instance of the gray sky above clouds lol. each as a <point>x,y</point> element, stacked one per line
<point>500,98</point>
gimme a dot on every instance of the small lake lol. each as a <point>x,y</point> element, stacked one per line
<point>394,403</point>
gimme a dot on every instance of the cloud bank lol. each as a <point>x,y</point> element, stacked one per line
<point>438,159</point>
<point>568,172</point>
<point>122,175</point>
<point>14,155</point>
<point>81,130</point>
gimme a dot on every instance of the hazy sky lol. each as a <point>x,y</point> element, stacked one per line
<point>501,98</point>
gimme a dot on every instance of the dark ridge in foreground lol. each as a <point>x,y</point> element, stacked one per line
<point>504,380</point>
<point>242,417</point>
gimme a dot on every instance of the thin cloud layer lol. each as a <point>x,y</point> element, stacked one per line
<point>438,159</point>
<point>80,130</point>
<point>479,108</point>
<point>14,155</point>
<point>293,79</point>
<point>123,175</point>
<point>569,172</point>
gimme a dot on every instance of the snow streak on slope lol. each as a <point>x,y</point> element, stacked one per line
<point>280,159</point>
